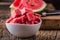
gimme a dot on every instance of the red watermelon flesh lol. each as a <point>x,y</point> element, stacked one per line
<point>16,3</point>
<point>33,4</point>
<point>16,13</point>
<point>29,22</point>
<point>21,6</point>
<point>21,19</point>
<point>30,16</point>
<point>8,20</point>
<point>27,18</point>
<point>36,22</point>
<point>13,20</point>
<point>18,20</point>
<point>37,18</point>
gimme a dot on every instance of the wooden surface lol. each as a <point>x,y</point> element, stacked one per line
<point>41,35</point>
<point>56,17</point>
<point>5,3</point>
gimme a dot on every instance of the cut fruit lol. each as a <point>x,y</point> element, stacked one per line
<point>30,16</point>
<point>36,6</point>
<point>14,20</point>
<point>41,8</point>
<point>16,3</point>
<point>36,22</point>
<point>27,18</point>
<point>8,21</point>
<point>20,19</point>
<point>37,18</point>
<point>16,13</point>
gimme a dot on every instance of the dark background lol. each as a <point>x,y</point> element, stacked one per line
<point>56,3</point>
<point>6,0</point>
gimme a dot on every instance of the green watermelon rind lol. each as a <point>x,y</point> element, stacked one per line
<point>41,12</point>
<point>11,6</point>
<point>41,8</point>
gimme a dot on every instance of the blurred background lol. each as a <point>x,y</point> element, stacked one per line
<point>50,26</point>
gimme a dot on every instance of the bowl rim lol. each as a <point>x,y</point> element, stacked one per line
<point>25,24</point>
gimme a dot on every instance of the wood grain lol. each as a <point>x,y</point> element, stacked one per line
<point>41,35</point>
<point>58,35</point>
<point>5,3</point>
<point>56,17</point>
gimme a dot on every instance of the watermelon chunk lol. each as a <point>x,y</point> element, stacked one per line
<point>20,19</point>
<point>30,16</point>
<point>36,22</point>
<point>37,18</point>
<point>13,20</point>
<point>24,16</point>
<point>8,20</point>
<point>25,19</point>
<point>21,6</point>
<point>16,13</point>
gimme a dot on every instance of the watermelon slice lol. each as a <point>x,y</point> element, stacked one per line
<point>16,3</point>
<point>36,6</point>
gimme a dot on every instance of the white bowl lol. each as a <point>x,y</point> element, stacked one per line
<point>23,30</point>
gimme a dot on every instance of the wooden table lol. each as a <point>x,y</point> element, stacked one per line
<point>41,35</point>
<point>5,3</point>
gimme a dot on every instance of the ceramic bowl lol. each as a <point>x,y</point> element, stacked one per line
<point>23,30</point>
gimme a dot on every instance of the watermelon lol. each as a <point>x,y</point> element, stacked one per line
<point>13,20</point>
<point>16,13</point>
<point>29,22</point>
<point>18,20</point>
<point>30,16</point>
<point>37,18</point>
<point>36,6</point>
<point>21,19</point>
<point>36,22</point>
<point>16,3</point>
<point>8,20</point>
